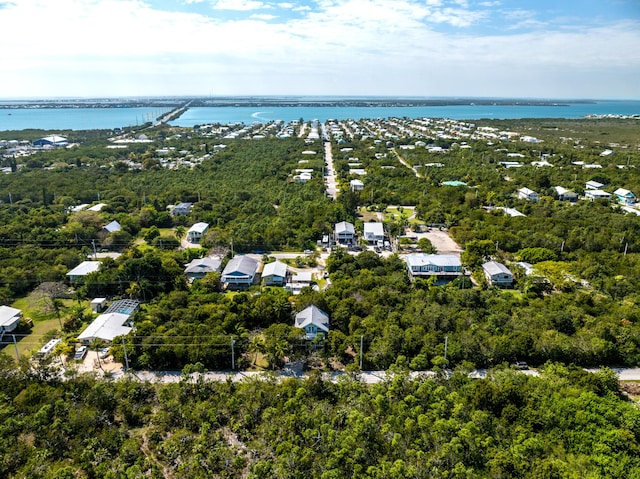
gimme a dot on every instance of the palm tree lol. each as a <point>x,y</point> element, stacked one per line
<point>96,344</point>
<point>180,232</point>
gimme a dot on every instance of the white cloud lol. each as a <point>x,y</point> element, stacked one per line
<point>263,16</point>
<point>346,47</point>
<point>240,5</point>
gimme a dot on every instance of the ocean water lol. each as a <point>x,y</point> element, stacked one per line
<point>244,114</point>
<point>108,118</point>
<point>75,118</point>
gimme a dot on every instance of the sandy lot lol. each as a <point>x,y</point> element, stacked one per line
<point>440,240</point>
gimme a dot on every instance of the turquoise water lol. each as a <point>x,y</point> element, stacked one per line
<point>75,118</point>
<point>107,118</point>
<point>202,115</point>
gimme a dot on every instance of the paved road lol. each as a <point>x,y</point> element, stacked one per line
<point>367,377</point>
<point>330,177</point>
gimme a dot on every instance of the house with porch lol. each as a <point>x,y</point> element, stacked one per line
<point>527,194</point>
<point>313,321</point>
<point>625,197</point>
<point>196,232</point>
<point>445,267</point>
<point>198,268</point>
<point>239,272</point>
<point>563,194</point>
<point>497,274</point>
<point>344,233</point>
<point>274,274</point>
<point>373,233</point>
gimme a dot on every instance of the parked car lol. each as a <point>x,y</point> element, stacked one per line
<point>103,353</point>
<point>521,365</point>
<point>80,353</point>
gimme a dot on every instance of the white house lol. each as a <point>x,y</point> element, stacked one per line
<point>344,233</point>
<point>239,272</point>
<point>9,318</point>
<point>106,327</point>
<point>313,320</point>
<point>98,304</point>
<point>596,195</point>
<point>445,267</point>
<point>199,267</point>
<point>373,232</point>
<point>527,194</point>
<point>196,232</point>
<point>593,185</point>
<point>625,197</point>
<point>299,281</point>
<point>83,269</point>
<point>497,274</point>
<point>356,185</point>
<point>274,274</point>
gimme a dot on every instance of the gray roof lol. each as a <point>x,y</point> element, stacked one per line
<point>203,265</point>
<point>492,267</point>
<point>313,315</point>
<point>345,227</point>
<point>277,268</point>
<point>241,264</point>
<point>113,226</point>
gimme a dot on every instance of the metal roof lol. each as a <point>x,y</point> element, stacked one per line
<point>8,315</point>
<point>198,228</point>
<point>203,265</point>
<point>344,227</point>
<point>277,268</point>
<point>422,259</point>
<point>85,268</point>
<point>313,315</point>
<point>107,326</point>
<point>241,264</point>
<point>493,267</point>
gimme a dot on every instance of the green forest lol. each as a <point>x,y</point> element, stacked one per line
<point>566,424</point>
<point>579,308</point>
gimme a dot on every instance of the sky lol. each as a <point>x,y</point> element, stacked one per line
<point>555,49</point>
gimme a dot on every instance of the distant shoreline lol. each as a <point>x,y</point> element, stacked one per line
<point>258,102</point>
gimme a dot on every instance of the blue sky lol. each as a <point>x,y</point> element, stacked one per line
<point>484,48</point>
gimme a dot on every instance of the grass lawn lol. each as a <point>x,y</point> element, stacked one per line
<point>35,307</point>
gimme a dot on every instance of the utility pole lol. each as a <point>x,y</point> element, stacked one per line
<point>446,344</point>
<point>233,354</point>
<point>126,358</point>
<point>361,345</point>
<point>16,346</point>
<point>95,254</point>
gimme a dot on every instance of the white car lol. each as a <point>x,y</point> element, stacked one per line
<point>80,353</point>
